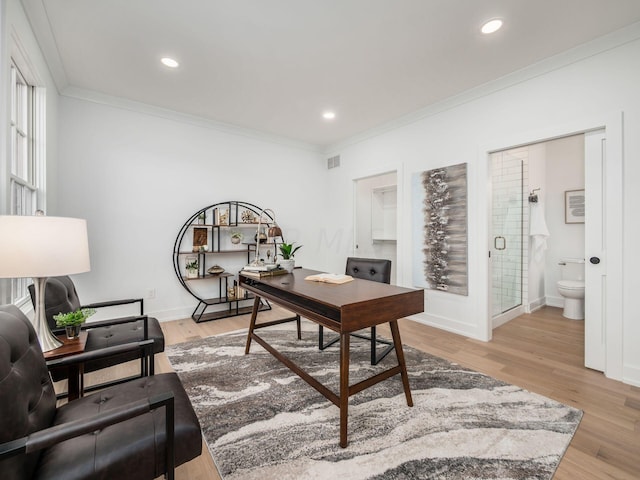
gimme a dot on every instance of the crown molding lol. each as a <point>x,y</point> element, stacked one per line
<point>147,109</point>
<point>39,20</point>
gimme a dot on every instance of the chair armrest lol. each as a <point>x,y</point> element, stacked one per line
<point>119,321</point>
<point>145,347</point>
<point>59,433</point>
<point>113,303</point>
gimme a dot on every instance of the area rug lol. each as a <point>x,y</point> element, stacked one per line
<point>261,421</point>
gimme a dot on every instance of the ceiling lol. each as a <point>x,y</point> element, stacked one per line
<point>273,66</point>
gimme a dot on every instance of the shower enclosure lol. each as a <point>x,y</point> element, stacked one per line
<point>508,170</point>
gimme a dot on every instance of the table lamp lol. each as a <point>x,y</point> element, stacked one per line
<point>272,232</point>
<point>40,247</point>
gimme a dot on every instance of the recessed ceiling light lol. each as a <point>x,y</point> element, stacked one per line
<point>169,62</point>
<point>491,26</point>
<point>329,115</point>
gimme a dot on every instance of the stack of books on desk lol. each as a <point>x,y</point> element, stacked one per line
<point>263,273</point>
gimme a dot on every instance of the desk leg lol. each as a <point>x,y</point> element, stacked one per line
<point>252,324</point>
<point>395,333</point>
<point>344,387</point>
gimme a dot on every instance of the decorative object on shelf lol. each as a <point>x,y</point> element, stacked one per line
<point>224,216</point>
<point>202,218</point>
<point>191,265</point>
<point>236,237</point>
<point>215,270</point>
<point>231,293</point>
<point>260,237</point>
<point>287,252</point>
<point>272,232</point>
<point>40,247</point>
<point>248,216</point>
<point>200,235</point>
<point>72,321</point>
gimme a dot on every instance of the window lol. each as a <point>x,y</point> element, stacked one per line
<point>26,156</point>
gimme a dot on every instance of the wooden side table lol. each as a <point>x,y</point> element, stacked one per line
<point>76,372</point>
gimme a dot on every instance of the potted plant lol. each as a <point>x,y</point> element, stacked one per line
<point>73,320</point>
<point>191,266</point>
<point>287,252</point>
<point>236,237</point>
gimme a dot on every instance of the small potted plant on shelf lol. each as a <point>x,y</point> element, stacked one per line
<point>287,252</point>
<point>191,266</point>
<point>236,237</point>
<point>72,321</point>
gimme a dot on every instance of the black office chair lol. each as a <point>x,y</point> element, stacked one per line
<point>136,430</point>
<point>61,297</point>
<point>376,270</point>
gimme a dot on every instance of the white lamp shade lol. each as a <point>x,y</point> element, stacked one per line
<point>40,246</point>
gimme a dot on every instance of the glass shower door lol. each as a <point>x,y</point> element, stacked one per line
<point>507,230</point>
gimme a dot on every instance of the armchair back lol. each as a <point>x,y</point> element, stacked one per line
<point>27,397</point>
<point>60,296</point>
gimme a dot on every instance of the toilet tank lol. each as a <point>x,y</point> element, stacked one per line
<point>572,268</point>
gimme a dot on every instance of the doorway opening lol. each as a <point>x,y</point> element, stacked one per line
<point>376,218</point>
<point>531,238</point>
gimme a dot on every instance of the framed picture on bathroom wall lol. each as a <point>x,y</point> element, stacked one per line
<point>574,206</point>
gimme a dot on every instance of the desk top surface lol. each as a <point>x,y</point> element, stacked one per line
<point>347,303</point>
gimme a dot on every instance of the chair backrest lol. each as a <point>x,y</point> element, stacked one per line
<point>60,296</point>
<point>27,397</point>
<point>374,269</point>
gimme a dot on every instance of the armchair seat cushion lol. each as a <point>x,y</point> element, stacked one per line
<point>115,450</point>
<point>108,336</point>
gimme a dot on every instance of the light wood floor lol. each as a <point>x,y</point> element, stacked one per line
<point>541,352</point>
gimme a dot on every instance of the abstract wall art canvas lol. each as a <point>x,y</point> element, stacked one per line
<point>440,229</point>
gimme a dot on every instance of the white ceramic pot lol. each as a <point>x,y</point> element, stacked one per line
<point>288,264</point>
<point>192,273</point>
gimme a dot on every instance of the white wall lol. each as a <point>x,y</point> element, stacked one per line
<point>564,171</point>
<point>137,178</point>
<point>578,91</point>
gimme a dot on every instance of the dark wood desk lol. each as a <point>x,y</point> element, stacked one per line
<point>344,309</point>
<point>76,372</point>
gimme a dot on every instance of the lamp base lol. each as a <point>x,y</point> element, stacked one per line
<point>48,340</point>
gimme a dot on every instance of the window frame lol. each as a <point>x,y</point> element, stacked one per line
<point>26,164</point>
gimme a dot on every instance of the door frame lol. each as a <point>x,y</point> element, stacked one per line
<point>612,123</point>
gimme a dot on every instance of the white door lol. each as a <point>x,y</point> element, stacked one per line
<point>595,251</point>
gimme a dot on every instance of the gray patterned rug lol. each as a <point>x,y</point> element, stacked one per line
<point>261,421</point>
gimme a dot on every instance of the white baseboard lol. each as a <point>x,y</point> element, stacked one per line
<point>507,317</point>
<point>631,375</point>
<point>536,304</point>
<point>554,301</point>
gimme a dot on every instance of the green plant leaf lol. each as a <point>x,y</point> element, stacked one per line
<point>73,318</point>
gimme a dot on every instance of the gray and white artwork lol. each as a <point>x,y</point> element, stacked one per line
<point>440,229</point>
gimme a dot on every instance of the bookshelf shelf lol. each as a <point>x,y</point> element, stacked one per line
<point>211,229</point>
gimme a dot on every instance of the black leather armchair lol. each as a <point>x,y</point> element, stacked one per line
<point>136,430</point>
<point>61,296</point>
<point>376,270</point>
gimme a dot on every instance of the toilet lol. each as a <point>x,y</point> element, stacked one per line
<point>571,287</point>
